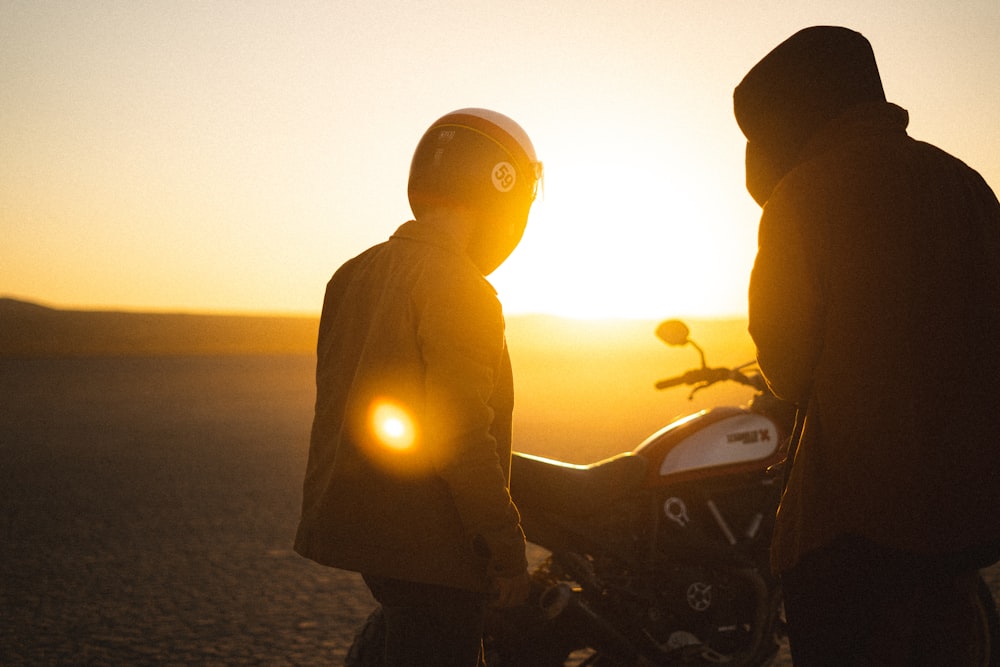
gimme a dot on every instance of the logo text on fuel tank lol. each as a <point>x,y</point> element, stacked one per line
<point>749,437</point>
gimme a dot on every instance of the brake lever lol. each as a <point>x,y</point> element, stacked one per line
<point>698,388</point>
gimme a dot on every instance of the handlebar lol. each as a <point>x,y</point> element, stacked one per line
<point>676,334</point>
<point>703,377</point>
<point>698,376</point>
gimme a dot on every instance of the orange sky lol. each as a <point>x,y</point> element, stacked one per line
<point>230,155</point>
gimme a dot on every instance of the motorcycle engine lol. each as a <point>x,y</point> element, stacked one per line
<point>700,606</point>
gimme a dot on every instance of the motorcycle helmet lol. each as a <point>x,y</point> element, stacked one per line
<point>484,161</point>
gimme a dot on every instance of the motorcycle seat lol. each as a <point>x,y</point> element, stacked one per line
<point>574,490</point>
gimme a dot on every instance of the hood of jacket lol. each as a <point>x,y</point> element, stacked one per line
<point>805,82</point>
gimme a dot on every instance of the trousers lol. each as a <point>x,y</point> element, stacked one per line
<point>428,624</point>
<point>854,603</point>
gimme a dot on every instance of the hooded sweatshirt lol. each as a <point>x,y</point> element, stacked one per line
<point>874,303</point>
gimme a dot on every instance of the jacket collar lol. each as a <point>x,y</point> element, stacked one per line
<point>414,230</point>
<point>864,120</point>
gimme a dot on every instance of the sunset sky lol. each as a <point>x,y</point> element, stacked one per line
<point>228,156</point>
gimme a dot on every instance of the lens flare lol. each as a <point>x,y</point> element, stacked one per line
<point>392,426</point>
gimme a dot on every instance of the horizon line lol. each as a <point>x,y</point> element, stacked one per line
<point>294,314</point>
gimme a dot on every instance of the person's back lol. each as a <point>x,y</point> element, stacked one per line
<point>904,239</point>
<point>369,505</point>
<point>874,303</point>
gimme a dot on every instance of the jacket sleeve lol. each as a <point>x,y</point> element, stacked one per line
<point>786,311</point>
<point>461,336</point>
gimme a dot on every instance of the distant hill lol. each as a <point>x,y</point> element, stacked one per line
<point>33,330</point>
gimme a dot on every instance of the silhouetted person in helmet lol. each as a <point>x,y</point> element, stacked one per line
<point>411,441</point>
<point>874,303</point>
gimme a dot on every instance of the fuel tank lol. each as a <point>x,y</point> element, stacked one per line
<point>710,443</point>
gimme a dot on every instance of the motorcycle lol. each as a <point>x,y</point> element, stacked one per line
<point>659,556</point>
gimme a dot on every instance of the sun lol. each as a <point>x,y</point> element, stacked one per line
<point>645,239</point>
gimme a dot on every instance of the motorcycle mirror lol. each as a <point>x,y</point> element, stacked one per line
<point>673,332</point>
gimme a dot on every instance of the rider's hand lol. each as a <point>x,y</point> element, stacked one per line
<point>510,591</point>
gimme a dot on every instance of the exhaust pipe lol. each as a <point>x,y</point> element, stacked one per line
<point>555,600</point>
<point>561,603</point>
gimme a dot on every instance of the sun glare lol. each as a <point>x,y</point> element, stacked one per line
<point>392,426</point>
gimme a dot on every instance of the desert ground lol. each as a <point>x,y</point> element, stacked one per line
<point>148,504</point>
<point>148,512</point>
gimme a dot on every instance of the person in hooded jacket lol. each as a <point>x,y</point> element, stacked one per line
<point>407,475</point>
<point>874,304</point>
